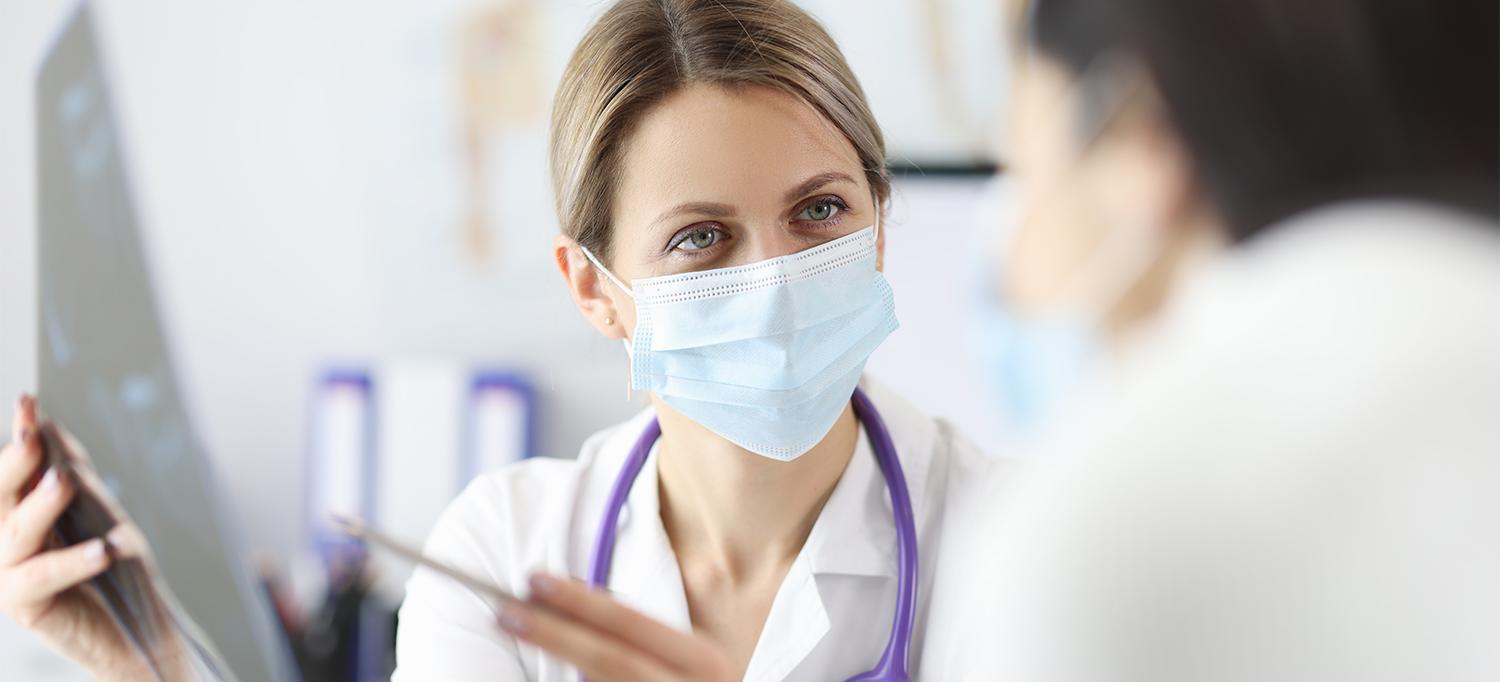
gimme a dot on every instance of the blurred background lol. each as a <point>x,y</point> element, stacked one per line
<point>346,212</point>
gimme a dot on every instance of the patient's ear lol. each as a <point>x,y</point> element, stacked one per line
<point>596,298</point>
<point>1141,170</point>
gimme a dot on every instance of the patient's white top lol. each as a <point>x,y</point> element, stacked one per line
<point>1294,477</point>
<point>830,619</point>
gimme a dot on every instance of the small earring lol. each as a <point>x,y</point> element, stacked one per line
<point>609,321</point>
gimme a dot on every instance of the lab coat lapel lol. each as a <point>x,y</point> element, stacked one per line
<point>796,624</point>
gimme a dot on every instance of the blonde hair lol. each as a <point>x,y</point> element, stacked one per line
<point>640,52</point>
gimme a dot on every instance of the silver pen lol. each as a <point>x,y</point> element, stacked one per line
<point>359,529</point>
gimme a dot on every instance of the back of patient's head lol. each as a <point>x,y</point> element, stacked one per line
<point>640,52</point>
<point>1286,105</point>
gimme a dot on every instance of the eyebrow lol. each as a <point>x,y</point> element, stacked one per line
<point>816,183</point>
<point>703,208</point>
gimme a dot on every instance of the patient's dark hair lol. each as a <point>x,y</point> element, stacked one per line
<point>1285,105</point>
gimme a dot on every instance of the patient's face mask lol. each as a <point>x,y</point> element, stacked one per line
<point>767,354</point>
<point>1038,362</point>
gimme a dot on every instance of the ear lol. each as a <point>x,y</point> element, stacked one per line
<point>1150,175</point>
<point>1176,189</point>
<point>881,216</point>
<point>592,293</point>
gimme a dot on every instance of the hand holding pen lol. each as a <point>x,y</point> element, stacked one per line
<point>587,627</point>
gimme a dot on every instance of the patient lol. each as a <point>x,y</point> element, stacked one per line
<point>1267,231</point>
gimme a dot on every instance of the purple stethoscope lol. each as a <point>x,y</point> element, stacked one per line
<point>893,661</point>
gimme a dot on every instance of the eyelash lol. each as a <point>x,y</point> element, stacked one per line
<point>683,236</point>
<point>838,204</point>
<point>672,246</point>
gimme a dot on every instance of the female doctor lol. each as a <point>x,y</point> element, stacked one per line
<point>719,182</point>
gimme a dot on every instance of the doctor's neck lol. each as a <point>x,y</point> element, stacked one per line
<point>744,512</point>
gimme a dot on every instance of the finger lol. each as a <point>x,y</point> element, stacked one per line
<point>24,416</point>
<point>599,610</point>
<point>45,575</point>
<point>597,656</point>
<point>25,529</point>
<point>126,542</point>
<point>18,464</point>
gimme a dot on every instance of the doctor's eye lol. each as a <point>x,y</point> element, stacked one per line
<point>697,238</point>
<point>822,210</point>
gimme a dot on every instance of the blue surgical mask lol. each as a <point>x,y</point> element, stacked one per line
<point>1035,365</point>
<point>765,355</point>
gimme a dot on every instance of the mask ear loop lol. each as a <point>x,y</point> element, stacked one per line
<point>879,214</point>
<point>610,275</point>
<point>629,355</point>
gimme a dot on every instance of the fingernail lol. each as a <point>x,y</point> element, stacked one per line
<point>514,619</point>
<point>543,584</point>
<point>94,551</point>
<point>24,437</point>
<point>118,541</point>
<point>49,481</point>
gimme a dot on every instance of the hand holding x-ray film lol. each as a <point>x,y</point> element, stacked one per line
<point>77,571</point>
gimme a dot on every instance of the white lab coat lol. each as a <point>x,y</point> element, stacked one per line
<point>830,618</point>
<point>1295,476</point>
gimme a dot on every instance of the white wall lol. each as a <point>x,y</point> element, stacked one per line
<point>931,263</point>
